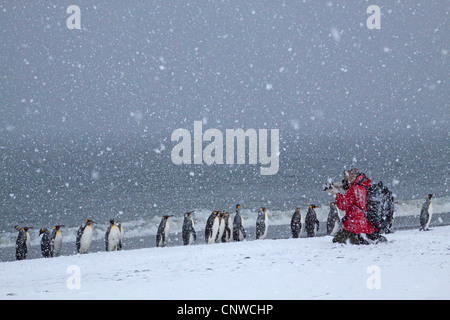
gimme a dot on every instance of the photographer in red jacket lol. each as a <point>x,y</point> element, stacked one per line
<point>356,229</point>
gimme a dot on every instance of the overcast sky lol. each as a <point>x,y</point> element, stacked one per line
<point>151,67</point>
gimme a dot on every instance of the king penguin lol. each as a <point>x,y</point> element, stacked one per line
<point>238,225</point>
<point>163,231</point>
<point>228,227</point>
<point>56,241</point>
<point>45,243</point>
<point>120,244</point>
<point>311,222</point>
<point>296,223</point>
<point>212,227</point>
<point>22,243</point>
<point>112,236</point>
<point>333,221</point>
<point>188,231</point>
<point>262,224</point>
<point>84,237</point>
<point>426,213</point>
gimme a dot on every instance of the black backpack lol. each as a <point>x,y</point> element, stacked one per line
<point>379,205</point>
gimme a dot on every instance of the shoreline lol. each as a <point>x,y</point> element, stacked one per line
<point>175,238</point>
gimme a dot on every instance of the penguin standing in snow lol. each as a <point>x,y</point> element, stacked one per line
<point>296,223</point>
<point>334,223</point>
<point>426,213</point>
<point>84,237</point>
<point>188,231</point>
<point>56,241</point>
<point>163,231</point>
<point>119,245</point>
<point>212,227</point>
<point>262,224</point>
<point>112,236</point>
<point>45,243</point>
<point>22,242</point>
<point>228,227</point>
<point>238,225</point>
<point>311,222</point>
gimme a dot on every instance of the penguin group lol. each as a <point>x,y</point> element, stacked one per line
<point>52,241</point>
<point>220,227</point>
<point>311,222</point>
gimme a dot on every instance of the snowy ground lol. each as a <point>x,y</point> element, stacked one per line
<point>414,265</point>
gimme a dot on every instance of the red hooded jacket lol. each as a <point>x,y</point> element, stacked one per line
<point>356,196</point>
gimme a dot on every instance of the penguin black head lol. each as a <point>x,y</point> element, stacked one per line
<point>111,221</point>
<point>166,217</point>
<point>187,214</point>
<point>88,222</point>
<point>238,206</point>
<point>297,209</point>
<point>57,227</point>
<point>313,206</point>
<point>42,230</point>
<point>430,196</point>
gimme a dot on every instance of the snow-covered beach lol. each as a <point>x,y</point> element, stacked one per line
<point>413,265</point>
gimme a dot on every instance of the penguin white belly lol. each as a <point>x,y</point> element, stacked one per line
<point>430,213</point>
<point>341,214</point>
<point>57,244</point>
<point>86,239</point>
<point>215,230</point>
<point>230,226</point>
<point>191,234</point>
<point>241,235</point>
<point>166,231</point>
<point>336,228</point>
<point>113,238</point>
<point>221,230</point>
<point>28,241</point>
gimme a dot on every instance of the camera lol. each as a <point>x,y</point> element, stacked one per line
<point>342,185</point>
